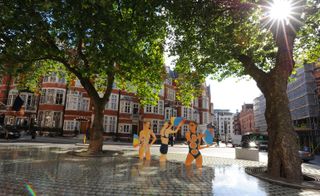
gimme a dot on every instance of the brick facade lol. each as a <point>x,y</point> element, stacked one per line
<point>63,109</point>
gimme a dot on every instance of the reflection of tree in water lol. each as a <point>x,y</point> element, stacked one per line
<point>48,172</point>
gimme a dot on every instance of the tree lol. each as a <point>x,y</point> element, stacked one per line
<point>95,40</point>
<point>236,37</point>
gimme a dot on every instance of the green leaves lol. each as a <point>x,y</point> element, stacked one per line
<point>209,37</point>
<point>88,38</point>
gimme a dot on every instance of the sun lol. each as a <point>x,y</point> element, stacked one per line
<point>281,13</point>
<point>281,10</point>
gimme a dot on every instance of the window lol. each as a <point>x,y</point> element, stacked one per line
<point>56,119</point>
<point>168,114</point>
<point>171,94</point>
<point>155,109</point>
<point>45,78</point>
<point>71,125</point>
<point>125,107</point>
<point>43,96</point>
<point>12,96</point>
<point>85,104</point>
<point>184,129</point>
<point>30,100</point>
<point>186,113</point>
<point>135,108</point>
<point>109,124</point>
<point>53,78</point>
<point>205,102</point>
<point>154,126</point>
<point>73,100</point>
<point>125,128</point>
<point>148,108</point>
<point>47,119</point>
<point>160,107</point>
<point>196,102</point>
<point>174,113</point>
<point>59,97</point>
<point>52,96</point>
<point>113,102</point>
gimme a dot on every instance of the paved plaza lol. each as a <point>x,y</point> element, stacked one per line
<point>46,169</point>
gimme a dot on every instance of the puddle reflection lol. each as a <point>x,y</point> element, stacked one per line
<point>234,178</point>
<point>50,172</point>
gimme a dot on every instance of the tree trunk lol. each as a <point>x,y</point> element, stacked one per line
<point>96,137</point>
<point>283,158</point>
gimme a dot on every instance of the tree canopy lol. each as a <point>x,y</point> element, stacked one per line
<point>215,37</point>
<point>95,40</point>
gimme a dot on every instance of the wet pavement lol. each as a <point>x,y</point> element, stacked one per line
<point>50,171</point>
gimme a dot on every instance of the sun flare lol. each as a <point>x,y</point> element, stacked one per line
<point>281,10</point>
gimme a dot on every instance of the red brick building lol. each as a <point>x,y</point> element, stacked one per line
<point>246,119</point>
<point>62,109</point>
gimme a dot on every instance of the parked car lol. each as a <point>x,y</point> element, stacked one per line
<point>254,140</point>
<point>306,156</point>
<point>12,134</point>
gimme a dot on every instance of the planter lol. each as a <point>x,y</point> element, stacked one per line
<point>247,154</point>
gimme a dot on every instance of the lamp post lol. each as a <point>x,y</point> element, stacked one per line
<point>116,136</point>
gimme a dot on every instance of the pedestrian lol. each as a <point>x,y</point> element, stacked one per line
<point>88,134</point>
<point>33,130</point>
<point>144,140</point>
<point>218,139</point>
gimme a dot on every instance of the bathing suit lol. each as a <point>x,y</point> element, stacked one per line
<point>164,135</point>
<point>194,145</point>
<point>164,148</point>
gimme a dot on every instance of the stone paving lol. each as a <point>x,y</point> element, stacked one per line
<point>49,171</point>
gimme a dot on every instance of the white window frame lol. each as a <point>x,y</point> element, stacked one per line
<point>125,128</point>
<point>148,108</point>
<point>70,125</point>
<point>109,123</point>
<point>196,102</point>
<point>168,113</point>
<point>113,102</point>
<point>205,102</point>
<point>125,106</point>
<point>85,104</point>
<point>171,94</point>
<point>160,107</point>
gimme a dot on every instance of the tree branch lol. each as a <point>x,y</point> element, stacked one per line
<point>257,74</point>
<point>109,87</point>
